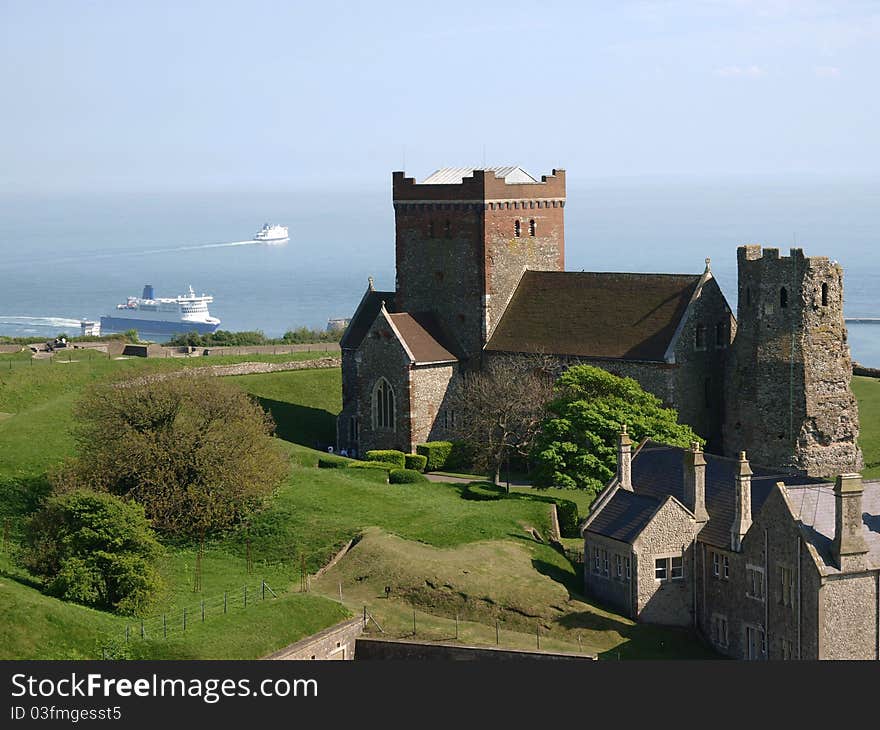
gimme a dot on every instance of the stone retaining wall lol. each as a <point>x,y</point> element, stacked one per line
<point>242,368</point>
<point>335,642</point>
<point>394,649</point>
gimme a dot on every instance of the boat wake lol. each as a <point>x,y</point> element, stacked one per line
<point>21,321</point>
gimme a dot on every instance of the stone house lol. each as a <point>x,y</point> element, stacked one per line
<point>765,564</point>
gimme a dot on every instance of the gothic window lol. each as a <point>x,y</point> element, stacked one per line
<point>447,229</point>
<point>700,337</point>
<point>383,405</point>
<point>532,228</point>
<point>783,297</point>
<point>824,294</point>
<point>517,228</point>
<point>353,430</point>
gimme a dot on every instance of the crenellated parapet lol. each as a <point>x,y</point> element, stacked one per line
<point>482,187</point>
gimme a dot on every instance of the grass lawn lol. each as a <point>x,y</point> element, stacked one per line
<point>867,391</point>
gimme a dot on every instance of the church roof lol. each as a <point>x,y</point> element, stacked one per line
<point>364,316</point>
<point>454,175</point>
<point>658,473</point>
<point>589,314</point>
<point>423,337</point>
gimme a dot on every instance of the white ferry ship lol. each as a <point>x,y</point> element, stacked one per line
<point>149,314</point>
<point>272,234</point>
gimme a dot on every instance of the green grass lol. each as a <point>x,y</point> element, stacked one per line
<point>867,391</point>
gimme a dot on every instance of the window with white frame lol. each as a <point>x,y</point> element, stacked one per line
<point>383,404</point>
<point>669,568</point>
<point>628,568</point>
<point>755,582</point>
<point>787,649</point>
<point>597,565</point>
<point>618,566</point>
<point>661,569</point>
<point>756,642</point>
<point>716,564</point>
<point>676,571</point>
<point>605,562</point>
<point>725,567</point>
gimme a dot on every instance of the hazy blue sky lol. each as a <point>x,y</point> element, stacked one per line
<point>168,95</point>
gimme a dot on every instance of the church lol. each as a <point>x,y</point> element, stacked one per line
<point>480,273</point>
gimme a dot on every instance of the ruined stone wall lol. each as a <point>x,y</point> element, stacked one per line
<point>669,533</point>
<point>699,379</point>
<point>848,610</point>
<point>788,398</point>
<point>610,589</point>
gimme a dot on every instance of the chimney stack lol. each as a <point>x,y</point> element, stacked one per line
<point>849,546</point>
<point>742,503</point>
<point>695,482</point>
<point>624,459</point>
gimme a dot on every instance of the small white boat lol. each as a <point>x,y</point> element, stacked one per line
<point>271,234</point>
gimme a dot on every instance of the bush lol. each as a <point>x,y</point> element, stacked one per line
<point>436,454</point>
<point>370,465</point>
<point>567,512</point>
<point>416,461</point>
<point>389,456</point>
<point>484,492</point>
<point>332,462</point>
<point>406,476</point>
<point>95,549</point>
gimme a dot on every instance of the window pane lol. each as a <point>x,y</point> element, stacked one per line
<point>677,568</point>
<point>660,568</point>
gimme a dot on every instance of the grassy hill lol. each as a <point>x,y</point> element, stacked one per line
<point>867,391</point>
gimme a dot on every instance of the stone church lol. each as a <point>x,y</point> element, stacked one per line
<point>480,259</point>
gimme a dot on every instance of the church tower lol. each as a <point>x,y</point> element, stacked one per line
<point>787,399</point>
<point>465,236</point>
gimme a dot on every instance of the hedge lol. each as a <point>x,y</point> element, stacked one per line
<point>389,456</point>
<point>406,476</point>
<point>418,462</point>
<point>370,465</point>
<point>484,492</point>
<point>567,512</point>
<point>332,462</point>
<point>445,455</point>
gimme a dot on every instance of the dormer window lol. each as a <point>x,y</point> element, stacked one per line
<point>517,228</point>
<point>532,228</point>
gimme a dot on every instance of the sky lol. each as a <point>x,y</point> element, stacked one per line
<point>159,95</point>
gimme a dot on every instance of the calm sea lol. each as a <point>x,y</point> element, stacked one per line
<point>65,257</point>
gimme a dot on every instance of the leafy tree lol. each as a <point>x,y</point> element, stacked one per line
<point>95,549</point>
<point>197,453</point>
<point>499,409</point>
<point>577,446</point>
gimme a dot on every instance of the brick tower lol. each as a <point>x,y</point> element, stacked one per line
<point>788,399</point>
<point>465,236</point>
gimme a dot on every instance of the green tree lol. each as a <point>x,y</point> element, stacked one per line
<point>577,445</point>
<point>196,452</point>
<point>95,549</point>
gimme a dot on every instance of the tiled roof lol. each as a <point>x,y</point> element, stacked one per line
<point>813,505</point>
<point>625,516</point>
<point>424,337</point>
<point>658,472</point>
<point>454,175</point>
<point>588,314</point>
<point>365,316</point>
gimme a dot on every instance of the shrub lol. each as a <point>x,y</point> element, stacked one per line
<point>95,549</point>
<point>436,453</point>
<point>567,512</point>
<point>484,492</point>
<point>370,465</point>
<point>416,461</point>
<point>406,476</point>
<point>389,456</point>
<point>332,462</point>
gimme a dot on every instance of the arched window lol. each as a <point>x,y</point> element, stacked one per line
<point>383,404</point>
<point>447,229</point>
<point>824,294</point>
<point>532,227</point>
<point>517,228</point>
<point>783,297</point>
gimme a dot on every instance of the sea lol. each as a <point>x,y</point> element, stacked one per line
<point>65,257</point>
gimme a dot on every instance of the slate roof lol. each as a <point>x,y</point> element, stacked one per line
<point>813,505</point>
<point>364,316</point>
<point>588,314</point>
<point>511,174</point>
<point>625,516</point>
<point>658,472</point>
<point>424,337</point>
